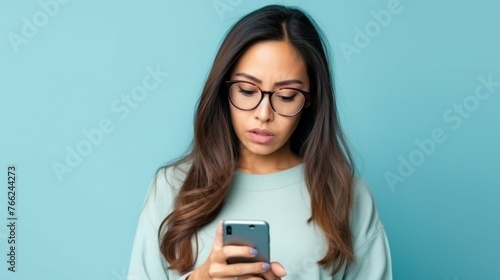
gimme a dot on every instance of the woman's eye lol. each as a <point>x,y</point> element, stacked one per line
<point>247,92</point>
<point>285,98</point>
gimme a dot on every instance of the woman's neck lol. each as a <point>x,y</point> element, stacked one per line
<point>263,164</point>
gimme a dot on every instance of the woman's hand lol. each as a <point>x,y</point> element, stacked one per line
<point>277,271</point>
<point>216,267</point>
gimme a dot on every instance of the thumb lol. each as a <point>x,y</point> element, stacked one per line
<point>218,242</point>
<point>278,269</point>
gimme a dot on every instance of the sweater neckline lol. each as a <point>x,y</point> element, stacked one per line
<point>269,181</point>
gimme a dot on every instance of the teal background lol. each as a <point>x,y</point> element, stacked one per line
<point>442,220</point>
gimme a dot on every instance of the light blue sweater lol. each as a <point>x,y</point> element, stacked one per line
<point>281,199</point>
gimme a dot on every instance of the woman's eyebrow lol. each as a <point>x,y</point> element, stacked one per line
<point>280,83</point>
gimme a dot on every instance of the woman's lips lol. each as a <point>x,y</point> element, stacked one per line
<point>261,136</point>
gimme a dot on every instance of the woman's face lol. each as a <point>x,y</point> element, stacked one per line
<point>269,65</point>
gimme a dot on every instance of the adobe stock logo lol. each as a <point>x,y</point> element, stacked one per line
<point>454,117</point>
<point>31,27</point>
<point>122,107</point>
<point>222,7</point>
<point>372,29</point>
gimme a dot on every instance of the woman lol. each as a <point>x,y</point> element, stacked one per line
<point>267,146</point>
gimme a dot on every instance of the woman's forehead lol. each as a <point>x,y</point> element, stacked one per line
<point>272,61</point>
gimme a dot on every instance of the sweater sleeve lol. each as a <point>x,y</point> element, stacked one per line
<point>371,247</point>
<point>146,261</point>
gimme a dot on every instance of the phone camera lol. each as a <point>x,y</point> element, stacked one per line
<point>229,230</point>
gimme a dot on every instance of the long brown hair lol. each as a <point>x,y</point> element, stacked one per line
<point>318,140</point>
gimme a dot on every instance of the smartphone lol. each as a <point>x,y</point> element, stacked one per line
<point>250,233</point>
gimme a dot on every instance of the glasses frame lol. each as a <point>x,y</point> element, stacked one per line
<point>263,94</point>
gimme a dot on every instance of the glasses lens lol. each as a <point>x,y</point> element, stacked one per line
<point>288,102</point>
<point>244,95</point>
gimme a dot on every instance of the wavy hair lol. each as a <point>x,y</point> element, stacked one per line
<point>318,140</point>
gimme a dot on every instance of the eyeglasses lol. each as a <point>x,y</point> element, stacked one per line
<point>246,96</point>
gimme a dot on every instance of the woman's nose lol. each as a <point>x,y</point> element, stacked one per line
<point>264,112</point>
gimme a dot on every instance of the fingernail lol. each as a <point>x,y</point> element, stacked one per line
<point>266,266</point>
<point>253,251</point>
<point>283,269</point>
